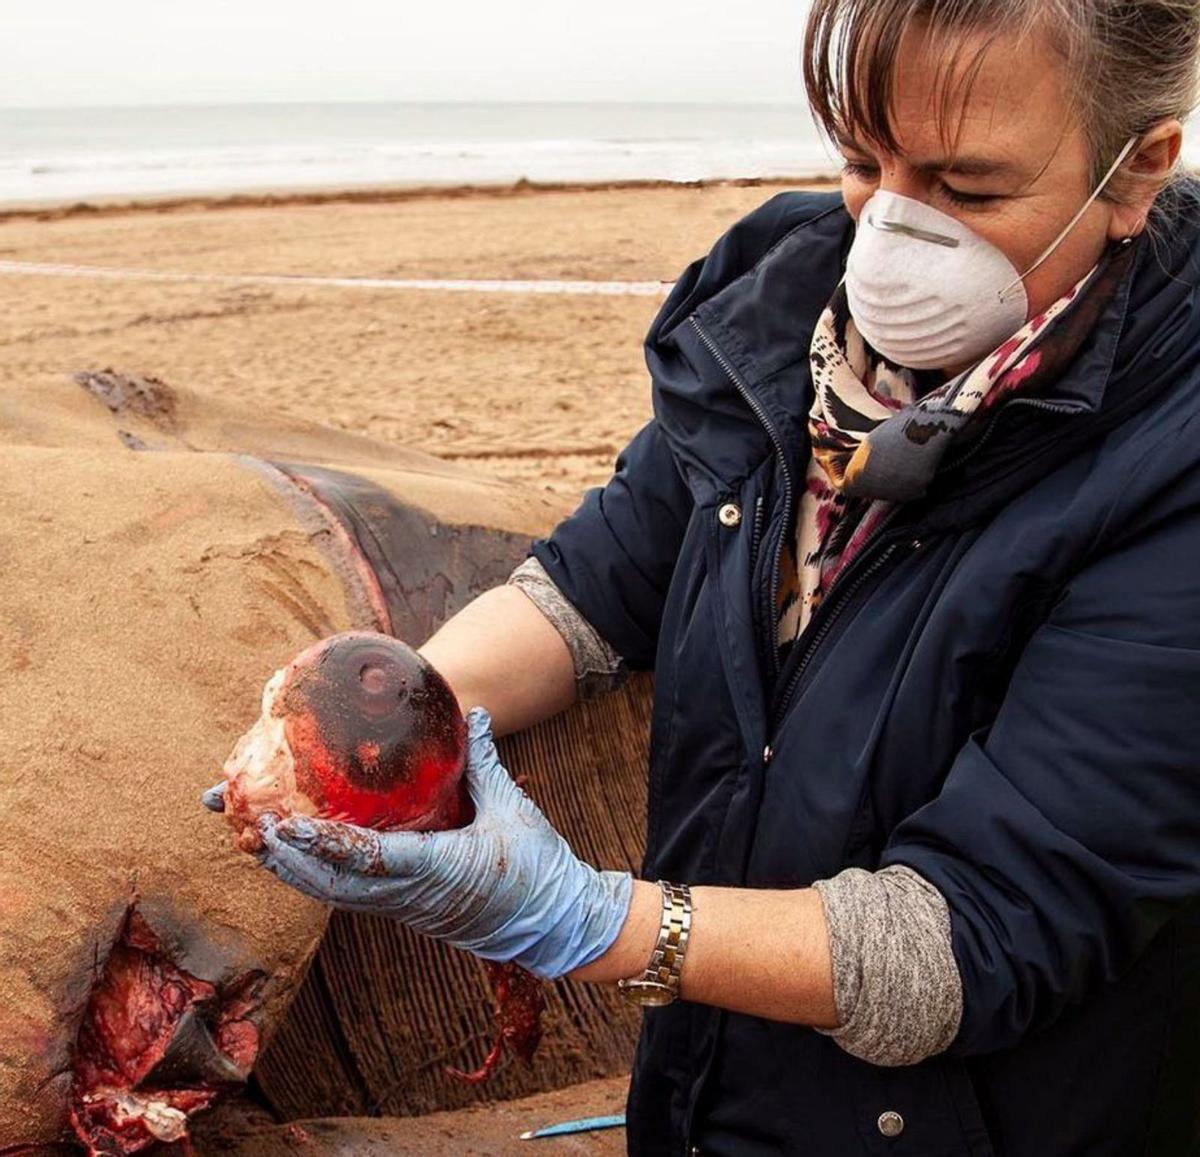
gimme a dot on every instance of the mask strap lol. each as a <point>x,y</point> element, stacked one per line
<point>1004,293</point>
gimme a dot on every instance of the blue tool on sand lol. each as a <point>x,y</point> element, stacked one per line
<point>587,1125</point>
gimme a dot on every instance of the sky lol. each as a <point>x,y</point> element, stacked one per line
<point>79,52</point>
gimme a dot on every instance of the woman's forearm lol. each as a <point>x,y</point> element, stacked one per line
<point>500,652</point>
<point>764,953</point>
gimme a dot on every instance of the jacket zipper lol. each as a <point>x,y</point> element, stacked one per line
<point>758,613</point>
<point>970,451</point>
<point>756,534</point>
<point>844,591</point>
<point>765,420</point>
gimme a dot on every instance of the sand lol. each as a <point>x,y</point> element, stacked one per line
<point>544,389</point>
<point>481,1131</point>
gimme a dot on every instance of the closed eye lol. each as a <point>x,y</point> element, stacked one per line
<point>965,200</point>
<point>864,171</point>
<point>860,171</point>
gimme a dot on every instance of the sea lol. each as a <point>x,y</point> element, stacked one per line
<point>65,155</point>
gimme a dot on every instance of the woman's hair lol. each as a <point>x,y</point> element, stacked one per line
<point>1129,64</point>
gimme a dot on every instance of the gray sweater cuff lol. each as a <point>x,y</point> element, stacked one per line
<point>895,980</point>
<point>598,668</point>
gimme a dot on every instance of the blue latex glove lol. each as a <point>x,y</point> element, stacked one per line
<point>506,887</point>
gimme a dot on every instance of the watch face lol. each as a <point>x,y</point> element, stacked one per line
<point>648,993</point>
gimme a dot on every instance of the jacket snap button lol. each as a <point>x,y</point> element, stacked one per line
<point>730,515</point>
<point>891,1124</point>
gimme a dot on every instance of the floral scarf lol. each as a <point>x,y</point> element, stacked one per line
<point>879,431</point>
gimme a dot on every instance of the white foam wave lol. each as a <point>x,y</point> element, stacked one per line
<point>55,176</point>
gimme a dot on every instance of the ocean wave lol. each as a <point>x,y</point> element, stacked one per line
<point>47,175</point>
<point>318,154</point>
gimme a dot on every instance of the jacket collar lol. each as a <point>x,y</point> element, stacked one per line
<point>730,346</point>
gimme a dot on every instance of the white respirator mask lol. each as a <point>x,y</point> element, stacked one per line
<point>927,292</point>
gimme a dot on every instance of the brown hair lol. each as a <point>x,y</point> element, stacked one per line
<point>1130,63</point>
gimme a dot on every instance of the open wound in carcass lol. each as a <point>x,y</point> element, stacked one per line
<point>156,1045</point>
<point>361,728</point>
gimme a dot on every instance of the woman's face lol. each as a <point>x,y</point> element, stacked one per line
<point>1020,170</point>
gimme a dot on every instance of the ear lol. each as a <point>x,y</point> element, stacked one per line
<point>1152,161</point>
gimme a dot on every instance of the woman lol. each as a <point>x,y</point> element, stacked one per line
<point>911,546</point>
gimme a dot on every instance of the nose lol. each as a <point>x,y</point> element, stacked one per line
<point>895,176</point>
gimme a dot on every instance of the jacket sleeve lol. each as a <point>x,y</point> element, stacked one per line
<point>1068,833</point>
<point>614,557</point>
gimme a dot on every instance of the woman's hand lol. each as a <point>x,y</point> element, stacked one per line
<point>506,887</point>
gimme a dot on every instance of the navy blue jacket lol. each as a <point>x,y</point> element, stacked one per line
<point>1002,692</point>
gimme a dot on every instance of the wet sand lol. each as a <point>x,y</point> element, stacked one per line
<point>544,389</point>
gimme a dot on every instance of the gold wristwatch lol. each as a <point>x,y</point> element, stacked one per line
<point>659,984</point>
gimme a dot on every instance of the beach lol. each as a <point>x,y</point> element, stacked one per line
<point>540,388</point>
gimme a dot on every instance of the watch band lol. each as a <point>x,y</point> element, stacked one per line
<point>659,983</point>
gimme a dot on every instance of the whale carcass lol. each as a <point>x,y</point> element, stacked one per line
<point>161,557</point>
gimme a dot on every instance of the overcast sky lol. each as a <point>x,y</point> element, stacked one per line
<point>169,51</point>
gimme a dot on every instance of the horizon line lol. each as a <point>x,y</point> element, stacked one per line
<point>797,103</point>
